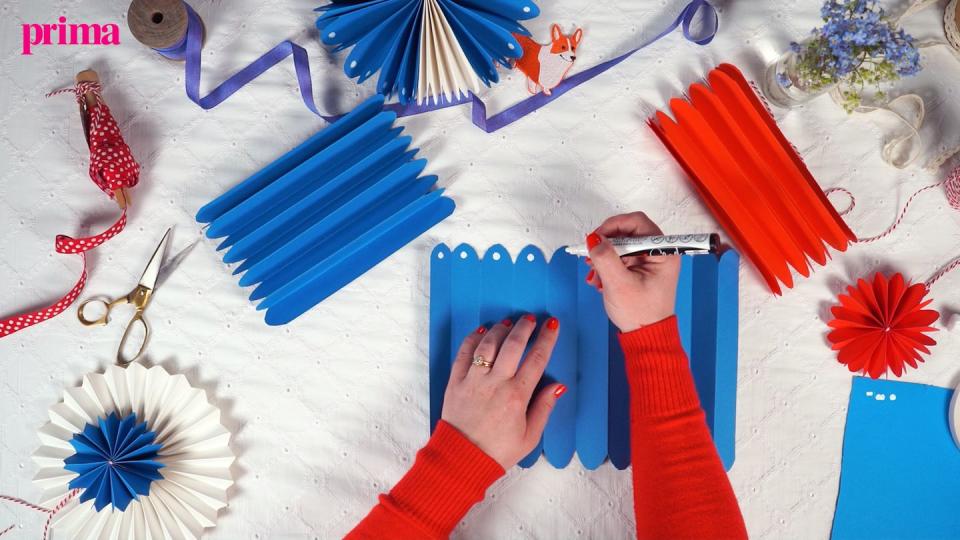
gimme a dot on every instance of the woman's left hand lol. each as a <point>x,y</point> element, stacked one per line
<point>492,406</point>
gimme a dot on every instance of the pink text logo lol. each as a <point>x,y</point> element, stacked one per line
<point>62,33</point>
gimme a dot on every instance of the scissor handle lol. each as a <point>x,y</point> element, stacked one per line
<point>137,318</point>
<point>107,306</point>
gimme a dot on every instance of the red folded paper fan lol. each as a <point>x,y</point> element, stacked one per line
<point>882,325</point>
<point>750,177</point>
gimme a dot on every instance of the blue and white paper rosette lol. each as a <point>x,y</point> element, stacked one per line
<point>426,49</point>
<point>147,451</point>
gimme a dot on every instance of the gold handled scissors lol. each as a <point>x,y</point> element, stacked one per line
<point>139,298</point>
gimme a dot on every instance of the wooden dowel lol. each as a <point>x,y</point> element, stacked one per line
<point>89,100</point>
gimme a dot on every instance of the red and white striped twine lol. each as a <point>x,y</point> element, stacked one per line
<point>50,511</point>
<point>942,272</point>
<point>952,186</point>
<point>79,90</point>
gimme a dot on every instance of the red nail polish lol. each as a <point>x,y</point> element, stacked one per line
<point>593,240</point>
<point>553,323</point>
<point>560,391</point>
<point>482,330</point>
<point>530,318</point>
<point>590,275</point>
<point>507,322</point>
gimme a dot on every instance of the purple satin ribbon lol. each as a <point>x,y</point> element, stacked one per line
<point>189,48</point>
<point>531,104</point>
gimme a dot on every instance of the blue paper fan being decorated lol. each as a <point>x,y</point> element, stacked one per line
<point>115,461</point>
<point>438,49</point>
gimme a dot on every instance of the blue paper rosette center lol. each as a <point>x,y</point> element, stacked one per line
<point>115,460</point>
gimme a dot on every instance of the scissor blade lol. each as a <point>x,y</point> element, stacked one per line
<point>149,277</point>
<point>175,261</point>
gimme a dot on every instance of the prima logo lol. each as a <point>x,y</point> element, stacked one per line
<point>62,33</point>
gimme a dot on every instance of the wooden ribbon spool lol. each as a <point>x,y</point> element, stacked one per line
<point>158,24</point>
<point>951,24</point>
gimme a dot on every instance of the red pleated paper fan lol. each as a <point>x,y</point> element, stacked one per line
<point>882,325</point>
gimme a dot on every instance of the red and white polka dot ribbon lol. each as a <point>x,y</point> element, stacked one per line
<point>112,167</point>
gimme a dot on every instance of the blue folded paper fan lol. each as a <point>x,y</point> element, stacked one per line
<point>326,212</point>
<point>115,460</point>
<point>593,417</point>
<point>437,49</point>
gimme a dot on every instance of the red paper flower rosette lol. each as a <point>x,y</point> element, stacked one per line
<point>882,325</point>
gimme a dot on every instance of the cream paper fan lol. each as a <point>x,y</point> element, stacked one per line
<point>194,453</point>
<point>444,69</point>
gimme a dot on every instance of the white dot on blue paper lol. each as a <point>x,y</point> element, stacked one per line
<point>463,254</point>
<point>353,64</point>
<point>893,397</point>
<point>332,35</point>
<point>526,9</point>
<point>496,256</point>
<point>510,46</point>
<point>530,257</point>
<point>439,255</point>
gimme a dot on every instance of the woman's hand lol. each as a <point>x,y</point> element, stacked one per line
<point>639,290</point>
<point>491,406</point>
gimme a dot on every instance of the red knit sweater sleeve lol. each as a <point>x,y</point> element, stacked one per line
<point>680,489</point>
<point>449,476</point>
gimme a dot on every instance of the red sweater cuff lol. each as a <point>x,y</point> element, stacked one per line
<point>449,476</point>
<point>658,370</point>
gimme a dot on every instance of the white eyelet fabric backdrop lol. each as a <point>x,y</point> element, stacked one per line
<point>328,411</point>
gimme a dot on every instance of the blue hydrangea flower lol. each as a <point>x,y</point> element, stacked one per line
<point>115,460</point>
<point>856,46</point>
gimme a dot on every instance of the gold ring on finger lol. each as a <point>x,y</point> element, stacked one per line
<point>479,360</point>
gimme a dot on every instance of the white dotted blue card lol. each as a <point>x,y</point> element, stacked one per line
<point>900,472</point>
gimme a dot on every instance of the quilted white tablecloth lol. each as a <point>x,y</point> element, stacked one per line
<point>328,411</point>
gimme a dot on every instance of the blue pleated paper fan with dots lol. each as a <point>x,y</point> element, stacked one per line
<point>115,461</point>
<point>426,49</point>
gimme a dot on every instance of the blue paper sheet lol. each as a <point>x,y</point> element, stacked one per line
<point>900,473</point>
<point>592,420</point>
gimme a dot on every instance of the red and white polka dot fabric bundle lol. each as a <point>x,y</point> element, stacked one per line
<point>112,167</point>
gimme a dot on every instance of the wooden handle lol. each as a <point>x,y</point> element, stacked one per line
<point>158,24</point>
<point>956,17</point>
<point>88,75</point>
<point>89,100</point>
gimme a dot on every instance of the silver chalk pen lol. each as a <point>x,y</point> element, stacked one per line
<point>673,244</point>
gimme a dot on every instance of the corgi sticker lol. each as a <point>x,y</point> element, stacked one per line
<point>546,65</point>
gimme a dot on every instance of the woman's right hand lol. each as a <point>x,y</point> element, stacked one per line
<point>639,290</point>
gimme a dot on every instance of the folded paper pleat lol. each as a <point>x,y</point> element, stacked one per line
<point>326,212</point>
